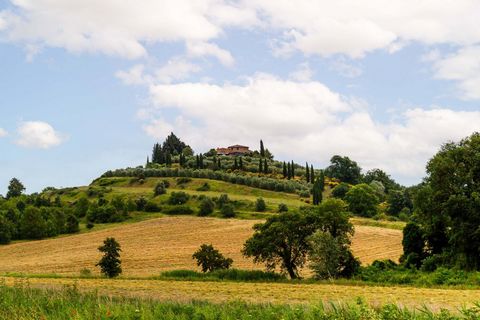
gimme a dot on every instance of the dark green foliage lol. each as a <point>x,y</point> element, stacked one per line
<point>265,166</point>
<point>280,241</point>
<point>90,225</point>
<point>397,201</point>
<point>282,207</point>
<point>141,203</point>
<point>32,224</point>
<point>260,205</point>
<point>285,170</point>
<point>6,230</point>
<point>81,207</point>
<point>381,176</point>
<point>15,188</point>
<point>292,168</point>
<point>289,171</point>
<point>312,174</point>
<point>177,198</point>
<point>179,210</point>
<point>260,165</point>
<point>206,207</point>
<point>262,149</point>
<point>362,200</point>
<point>307,172</point>
<point>413,245</point>
<point>340,190</point>
<point>317,192</point>
<point>344,169</point>
<point>205,187</point>
<point>227,211</point>
<point>159,189</point>
<point>183,180</point>
<point>210,259</point>
<point>110,263</point>
<point>222,200</point>
<point>151,206</point>
<point>240,163</point>
<point>71,225</point>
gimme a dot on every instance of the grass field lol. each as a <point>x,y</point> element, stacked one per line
<point>167,243</point>
<point>276,293</point>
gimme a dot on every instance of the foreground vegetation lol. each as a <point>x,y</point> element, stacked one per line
<point>26,303</point>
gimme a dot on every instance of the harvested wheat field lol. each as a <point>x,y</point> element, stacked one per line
<point>167,243</point>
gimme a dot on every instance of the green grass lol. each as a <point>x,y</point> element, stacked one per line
<point>24,303</point>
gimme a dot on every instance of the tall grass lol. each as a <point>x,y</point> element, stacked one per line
<point>24,303</point>
<point>229,274</point>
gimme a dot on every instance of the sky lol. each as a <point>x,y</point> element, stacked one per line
<point>88,86</point>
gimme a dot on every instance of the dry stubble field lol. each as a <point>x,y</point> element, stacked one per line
<point>167,243</point>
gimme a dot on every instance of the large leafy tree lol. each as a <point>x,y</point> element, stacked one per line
<point>453,195</point>
<point>210,259</point>
<point>344,169</point>
<point>362,200</point>
<point>383,177</point>
<point>15,188</point>
<point>281,241</point>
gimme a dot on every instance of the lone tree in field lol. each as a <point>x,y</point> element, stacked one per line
<point>110,263</point>
<point>281,241</point>
<point>210,259</point>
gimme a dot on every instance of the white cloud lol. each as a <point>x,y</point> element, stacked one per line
<point>200,49</point>
<point>303,73</point>
<point>462,66</point>
<point>38,134</point>
<point>118,27</point>
<point>306,120</point>
<point>175,69</point>
<point>3,133</point>
<point>354,28</point>
<point>346,69</point>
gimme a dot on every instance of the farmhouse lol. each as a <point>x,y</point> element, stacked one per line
<point>235,150</point>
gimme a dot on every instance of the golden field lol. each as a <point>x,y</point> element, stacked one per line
<point>167,243</point>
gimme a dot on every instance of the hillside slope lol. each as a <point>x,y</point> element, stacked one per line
<point>167,243</point>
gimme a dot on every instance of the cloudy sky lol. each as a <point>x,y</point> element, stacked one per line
<point>87,86</point>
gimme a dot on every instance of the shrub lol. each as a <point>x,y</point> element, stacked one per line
<point>90,225</point>
<point>210,259</point>
<point>151,206</point>
<point>282,207</point>
<point>183,180</point>
<point>159,189</point>
<point>206,207</point>
<point>141,203</point>
<point>304,194</point>
<point>340,190</point>
<point>204,187</point>
<point>260,205</point>
<point>178,210</point>
<point>177,198</point>
<point>223,200</point>
<point>227,211</point>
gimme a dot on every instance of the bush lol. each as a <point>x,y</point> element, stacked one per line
<point>90,225</point>
<point>179,210</point>
<point>210,259</point>
<point>304,194</point>
<point>282,207</point>
<point>159,189</point>
<point>204,187</point>
<point>226,274</point>
<point>340,190</point>
<point>206,207</point>
<point>260,205</point>
<point>151,206</point>
<point>183,180</point>
<point>141,203</point>
<point>227,211</point>
<point>223,200</point>
<point>177,198</point>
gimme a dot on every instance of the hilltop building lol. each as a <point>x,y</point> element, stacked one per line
<point>235,150</point>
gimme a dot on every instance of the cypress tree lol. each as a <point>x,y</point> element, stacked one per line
<point>168,159</point>
<point>321,179</point>
<point>219,164</point>
<point>240,163</point>
<point>307,172</point>
<point>293,169</point>
<point>262,149</point>
<point>148,161</point>
<point>260,166</point>
<point>265,166</point>
<point>235,164</point>
<point>201,161</point>
<point>285,172</point>
<point>289,171</point>
<point>197,162</point>
<point>317,192</point>
<point>312,174</point>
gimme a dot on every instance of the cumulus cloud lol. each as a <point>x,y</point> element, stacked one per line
<point>200,49</point>
<point>306,120</point>
<point>38,134</point>
<point>3,133</point>
<point>462,66</point>
<point>118,27</point>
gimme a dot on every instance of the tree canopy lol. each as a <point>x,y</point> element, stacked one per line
<point>344,169</point>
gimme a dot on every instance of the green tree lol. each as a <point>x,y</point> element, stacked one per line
<point>317,192</point>
<point>262,149</point>
<point>340,190</point>
<point>32,224</point>
<point>265,166</point>
<point>15,188</point>
<point>6,230</point>
<point>159,189</point>
<point>81,207</point>
<point>260,166</point>
<point>178,197</point>
<point>71,224</point>
<point>289,171</point>
<point>413,245</point>
<point>396,202</point>
<point>110,263</point>
<point>240,163</point>
<point>362,200</point>
<point>312,174</point>
<point>210,259</point>
<point>381,176</point>
<point>206,207</point>
<point>285,172</point>
<point>227,210</point>
<point>280,241</point>
<point>260,205</point>
<point>307,172</point>
<point>293,169</point>
<point>344,169</point>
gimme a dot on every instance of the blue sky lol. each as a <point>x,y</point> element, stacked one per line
<point>87,86</point>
